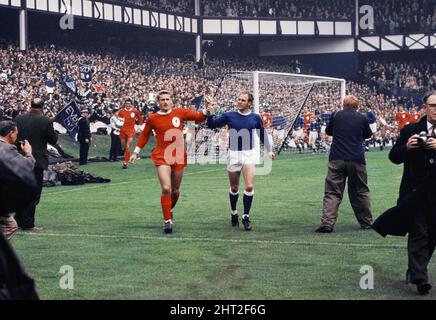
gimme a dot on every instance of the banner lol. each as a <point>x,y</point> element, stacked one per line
<point>86,73</point>
<point>68,84</point>
<point>198,102</point>
<point>68,117</point>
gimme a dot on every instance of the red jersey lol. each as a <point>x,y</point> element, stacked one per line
<point>414,118</point>
<point>307,119</point>
<point>169,135</point>
<point>130,117</point>
<point>401,118</point>
<point>267,120</point>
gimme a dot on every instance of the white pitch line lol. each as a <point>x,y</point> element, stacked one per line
<point>240,241</point>
<point>120,183</point>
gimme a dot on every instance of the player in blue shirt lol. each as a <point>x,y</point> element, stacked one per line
<point>242,154</point>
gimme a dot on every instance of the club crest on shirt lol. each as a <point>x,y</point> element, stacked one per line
<point>176,122</point>
<point>132,115</point>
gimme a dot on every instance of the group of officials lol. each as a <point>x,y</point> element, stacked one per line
<point>24,159</point>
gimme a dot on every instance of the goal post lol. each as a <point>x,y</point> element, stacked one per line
<point>279,97</point>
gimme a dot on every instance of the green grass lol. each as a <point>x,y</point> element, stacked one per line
<point>100,145</point>
<point>111,235</point>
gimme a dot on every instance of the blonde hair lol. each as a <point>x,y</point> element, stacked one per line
<point>351,102</point>
<point>162,92</point>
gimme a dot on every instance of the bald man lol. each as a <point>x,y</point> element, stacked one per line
<point>349,129</point>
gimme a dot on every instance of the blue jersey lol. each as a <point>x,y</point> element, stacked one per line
<point>314,126</point>
<point>299,123</point>
<point>278,121</point>
<point>241,128</point>
<point>371,117</point>
<point>325,118</point>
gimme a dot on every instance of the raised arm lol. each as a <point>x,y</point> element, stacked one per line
<point>214,122</point>
<point>189,115</point>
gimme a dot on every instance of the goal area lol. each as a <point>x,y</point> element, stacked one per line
<point>278,97</point>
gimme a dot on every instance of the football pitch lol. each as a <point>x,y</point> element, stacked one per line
<point>111,235</point>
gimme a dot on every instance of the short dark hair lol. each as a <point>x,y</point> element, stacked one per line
<point>7,127</point>
<point>37,103</point>
<point>428,95</point>
<point>249,95</point>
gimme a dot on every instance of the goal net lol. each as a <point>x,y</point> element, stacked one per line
<point>278,97</point>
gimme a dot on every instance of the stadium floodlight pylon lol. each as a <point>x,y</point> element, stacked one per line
<point>279,96</point>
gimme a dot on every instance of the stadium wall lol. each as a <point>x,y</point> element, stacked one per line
<point>329,57</point>
<point>338,65</point>
<point>306,46</point>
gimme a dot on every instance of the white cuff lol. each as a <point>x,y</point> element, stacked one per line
<point>137,150</point>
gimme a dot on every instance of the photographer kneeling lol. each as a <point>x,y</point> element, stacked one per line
<point>415,213</point>
<point>17,182</point>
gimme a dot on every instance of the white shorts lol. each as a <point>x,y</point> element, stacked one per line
<point>280,134</point>
<point>373,127</point>
<point>313,135</point>
<point>323,129</point>
<point>298,133</point>
<point>236,159</point>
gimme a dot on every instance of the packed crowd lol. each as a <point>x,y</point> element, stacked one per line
<point>176,6</point>
<point>413,75</point>
<point>100,82</point>
<point>393,16</point>
<point>296,9</point>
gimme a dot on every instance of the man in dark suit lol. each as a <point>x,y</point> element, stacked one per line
<point>38,130</point>
<point>84,136</point>
<point>415,212</point>
<point>349,129</point>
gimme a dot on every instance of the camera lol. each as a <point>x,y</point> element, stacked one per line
<point>20,145</point>
<point>422,139</point>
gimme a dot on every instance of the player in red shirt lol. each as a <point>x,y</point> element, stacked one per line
<point>131,116</point>
<point>169,155</point>
<point>267,120</point>
<point>414,116</point>
<point>401,118</point>
<point>307,116</point>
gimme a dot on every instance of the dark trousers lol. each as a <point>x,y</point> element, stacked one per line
<point>26,218</point>
<point>115,147</point>
<point>421,243</point>
<point>84,150</point>
<point>358,192</point>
